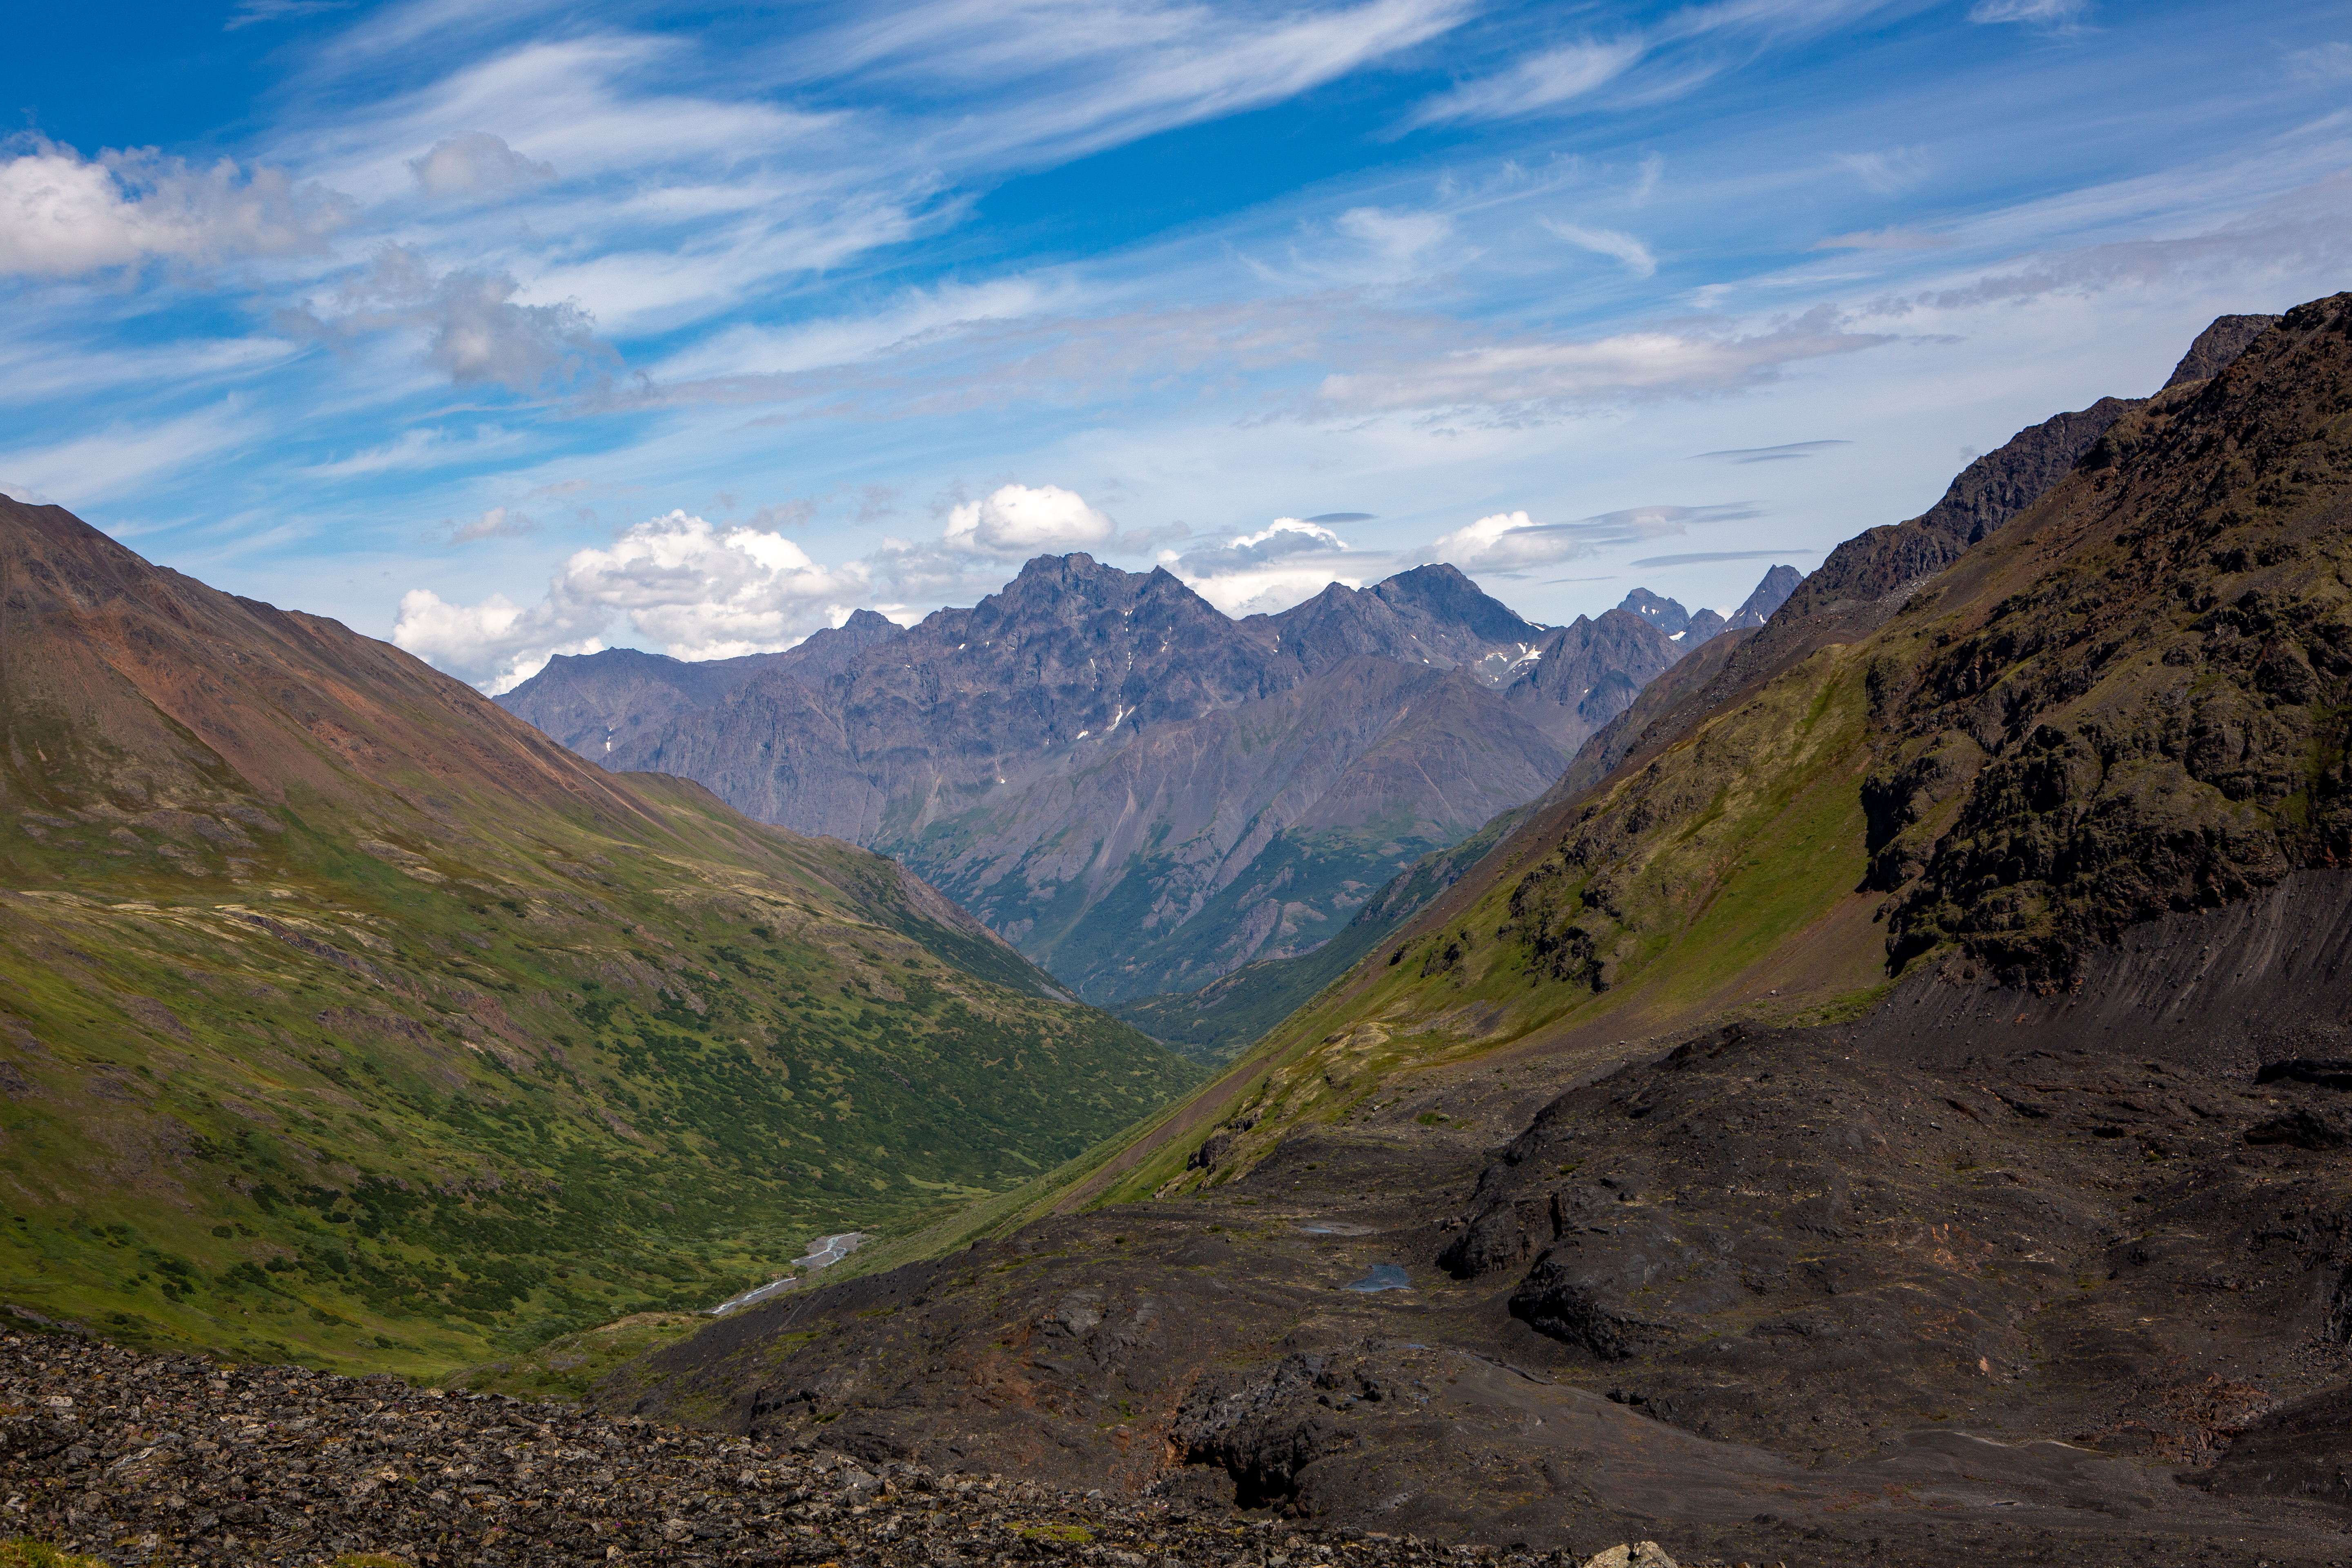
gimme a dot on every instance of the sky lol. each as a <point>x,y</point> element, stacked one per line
<point>507,330</point>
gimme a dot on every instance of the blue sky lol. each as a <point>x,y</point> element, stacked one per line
<point>508,329</point>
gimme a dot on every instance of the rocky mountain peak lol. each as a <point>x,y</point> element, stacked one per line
<point>2217,345</point>
<point>1432,615</point>
<point>1770,596</point>
<point>1666,614</point>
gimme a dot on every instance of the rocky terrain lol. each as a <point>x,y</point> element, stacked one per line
<point>135,1460</point>
<point>1894,1114</point>
<point>344,1016</point>
<point>1942,1285</point>
<point>1142,794</point>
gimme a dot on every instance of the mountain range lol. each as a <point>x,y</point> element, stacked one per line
<point>1141,793</point>
<point>344,1016</point>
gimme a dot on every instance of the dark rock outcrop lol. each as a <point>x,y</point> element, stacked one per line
<point>2217,345</point>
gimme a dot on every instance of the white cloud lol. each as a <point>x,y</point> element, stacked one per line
<point>122,457</point>
<point>476,164</point>
<point>1550,379</point>
<point>496,644</point>
<point>1512,541</point>
<point>1397,238</point>
<point>498,522</point>
<point>2047,13</point>
<point>1065,77</point>
<point>2323,62</point>
<point>1014,519</point>
<point>250,13</point>
<point>2304,233</point>
<point>701,591</point>
<point>62,214</point>
<point>1887,240</point>
<point>1886,173</point>
<point>1546,81</point>
<point>1608,242</point>
<point>474,332</point>
<point>416,448</point>
<point>1288,561</point>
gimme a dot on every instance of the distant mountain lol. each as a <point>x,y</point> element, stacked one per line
<point>593,703</point>
<point>345,1017</point>
<point>1019,688</point>
<point>1140,792</point>
<point>1688,630</point>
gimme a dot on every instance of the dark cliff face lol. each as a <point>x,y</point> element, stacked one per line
<point>1866,578</point>
<point>2156,723</point>
<point>2217,345</point>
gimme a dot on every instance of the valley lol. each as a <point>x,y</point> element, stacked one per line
<point>1884,1111</point>
<point>344,1018</point>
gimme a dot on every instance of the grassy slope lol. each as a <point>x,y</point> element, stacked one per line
<point>410,1066</point>
<point>2132,699</point>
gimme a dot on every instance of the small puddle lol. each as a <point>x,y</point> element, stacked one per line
<point>1335,1228</point>
<point>1381,1277</point>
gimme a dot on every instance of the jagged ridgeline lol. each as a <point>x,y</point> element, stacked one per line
<point>2105,679</point>
<point>344,1017</point>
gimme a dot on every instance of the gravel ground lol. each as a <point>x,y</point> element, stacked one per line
<point>143,1459</point>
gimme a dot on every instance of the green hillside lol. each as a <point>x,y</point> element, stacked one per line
<point>343,1018</point>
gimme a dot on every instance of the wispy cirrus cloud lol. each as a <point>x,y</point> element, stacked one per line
<point>1613,243</point>
<point>1505,544</point>
<point>1078,76</point>
<point>1547,81</point>
<point>2049,15</point>
<point>1539,379</point>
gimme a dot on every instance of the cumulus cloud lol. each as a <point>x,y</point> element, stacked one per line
<point>702,592</point>
<point>473,329</point>
<point>1015,520</point>
<point>1289,560</point>
<point>1511,542</point>
<point>1551,379</point>
<point>62,214</point>
<point>496,643</point>
<point>1608,242</point>
<point>476,164</point>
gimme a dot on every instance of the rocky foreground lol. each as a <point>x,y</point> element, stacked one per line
<point>140,1460</point>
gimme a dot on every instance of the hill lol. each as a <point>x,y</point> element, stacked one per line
<point>344,1016</point>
